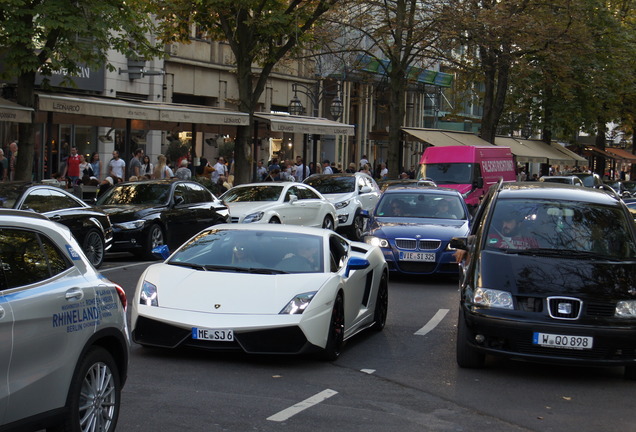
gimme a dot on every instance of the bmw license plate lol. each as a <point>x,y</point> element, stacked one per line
<point>417,256</point>
<point>218,335</point>
<point>563,341</point>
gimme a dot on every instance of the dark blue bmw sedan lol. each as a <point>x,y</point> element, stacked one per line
<point>413,226</point>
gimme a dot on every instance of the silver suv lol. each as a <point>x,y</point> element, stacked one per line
<point>65,341</point>
<point>350,194</point>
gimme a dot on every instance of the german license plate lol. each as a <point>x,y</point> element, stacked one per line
<point>563,341</point>
<point>417,256</point>
<point>218,335</point>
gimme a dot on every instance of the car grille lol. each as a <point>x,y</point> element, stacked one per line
<point>234,219</point>
<point>413,244</point>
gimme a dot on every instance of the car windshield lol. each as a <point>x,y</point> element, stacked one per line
<point>332,185</point>
<point>564,227</point>
<point>563,180</point>
<point>252,193</point>
<point>265,252</point>
<point>448,173</point>
<point>136,193</point>
<point>420,205</point>
<point>587,179</point>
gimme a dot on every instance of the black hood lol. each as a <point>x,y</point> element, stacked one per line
<point>125,213</point>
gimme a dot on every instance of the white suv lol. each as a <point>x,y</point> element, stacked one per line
<point>349,193</point>
<point>65,341</point>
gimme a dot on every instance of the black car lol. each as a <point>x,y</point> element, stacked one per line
<point>90,226</point>
<point>591,180</point>
<point>549,275</point>
<point>151,213</point>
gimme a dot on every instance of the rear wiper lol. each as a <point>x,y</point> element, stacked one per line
<point>187,264</point>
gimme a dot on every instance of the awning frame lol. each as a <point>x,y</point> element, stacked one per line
<point>305,125</point>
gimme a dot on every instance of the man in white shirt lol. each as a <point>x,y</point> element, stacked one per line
<point>219,170</point>
<point>302,171</point>
<point>326,167</point>
<point>116,166</point>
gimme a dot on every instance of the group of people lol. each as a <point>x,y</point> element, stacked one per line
<point>8,161</point>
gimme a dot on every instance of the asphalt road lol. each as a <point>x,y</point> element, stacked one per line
<point>402,379</point>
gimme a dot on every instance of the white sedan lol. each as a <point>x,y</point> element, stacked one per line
<point>285,202</point>
<point>262,289</point>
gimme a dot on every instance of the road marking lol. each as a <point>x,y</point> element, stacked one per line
<point>301,406</point>
<point>439,316</point>
<point>121,267</point>
<point>367,371</point>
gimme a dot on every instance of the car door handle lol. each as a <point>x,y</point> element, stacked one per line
<point>74,294</point>
<point>1,312</point>
<point>55,217</point>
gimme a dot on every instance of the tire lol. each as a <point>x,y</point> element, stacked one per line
<point>95,394</point>
<point>335,339</point>
<point>381,305</point>
<point>357,227</point>
<point>94,247</point>
<point>630,373</point>
<point>467,356</point>
<point>274,220</point>
<point>328,223</point>
<point>154,238</point>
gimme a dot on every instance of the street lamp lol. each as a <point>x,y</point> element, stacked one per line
<point>315,95</point>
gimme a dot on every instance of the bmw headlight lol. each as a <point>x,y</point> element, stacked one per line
<point>253,217</point>
<point>626,309</point>
<point>298,304</point>
<point>376,241</point>
<point>148,295</point>
<point>130,225</point>
<point>492,298</point>
<point>342,204</point>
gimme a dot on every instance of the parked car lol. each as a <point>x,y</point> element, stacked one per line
<point>151,213</point>
<point>65,341</point>
<point>630,186</point>
<point>90,226</point>
<point>590,179</point>
<point>620,188</point>
<point>262,288</point>
<point>549,276</point>
<point>350,194</point>
<point>385,184</point>
<point>571,180</point>
<point>414,225</point>
<point>280,202</point>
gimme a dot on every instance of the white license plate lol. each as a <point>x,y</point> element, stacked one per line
<point>563,341</point>
<point>417,256</point>
<point>218,335</point>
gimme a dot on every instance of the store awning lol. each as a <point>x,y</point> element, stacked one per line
<point>568,152</point>
<point>13,112</point>
<point>522,152</point>
<point>595,151</point>
<point>627,156</point>
<point>441,138</point>
<point>555,157</point>
<point>305,125</point>
<point>147,111</point>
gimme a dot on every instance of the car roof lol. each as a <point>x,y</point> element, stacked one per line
<point>297,229</point>
<point>421,189</point>
<point>556,192</point>
<point>35,217</point>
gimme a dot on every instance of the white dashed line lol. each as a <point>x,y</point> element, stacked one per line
<point>439,316</point>
<point>301,406</point>
<point>367,371</point>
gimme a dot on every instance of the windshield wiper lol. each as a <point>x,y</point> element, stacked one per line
<point>187,264</point>
<point>558,252</point>
<point>244,269</point>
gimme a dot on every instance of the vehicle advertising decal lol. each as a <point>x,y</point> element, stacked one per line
<point>72,253</point>
<point>86,313</point>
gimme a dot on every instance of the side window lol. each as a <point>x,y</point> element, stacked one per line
<point>181,191</point>
<point>306,193</point>
<point>291,191</point>
<point>38,200</point>
<point>338,250</point>
<point>62,201</point>
<point>27,257</point>
<point>198,194</point>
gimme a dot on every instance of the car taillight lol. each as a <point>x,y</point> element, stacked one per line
<point>122,296</point>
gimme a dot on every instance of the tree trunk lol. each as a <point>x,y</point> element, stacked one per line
<point>496,68</point>
<point>26,144</point>
<point>396,117</point>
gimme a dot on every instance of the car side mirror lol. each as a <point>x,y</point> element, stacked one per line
<point>178,199</point>
<point>356,263</point>
<point>365,213</point>
<point>365,189</point>
<point>293,199</point>
<point>161,252</point>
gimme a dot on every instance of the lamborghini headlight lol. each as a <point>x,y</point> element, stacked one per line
<point>626,309</point>
<point>376,241</point>
<point>298,304</point>
<point>148,295</point>
<point>253,217</point>
<point>493,298</point>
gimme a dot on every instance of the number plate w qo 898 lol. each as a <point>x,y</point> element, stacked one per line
<point>218,335</point>
<point>563,341</point>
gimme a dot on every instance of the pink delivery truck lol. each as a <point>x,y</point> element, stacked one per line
<point>469,169</point>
